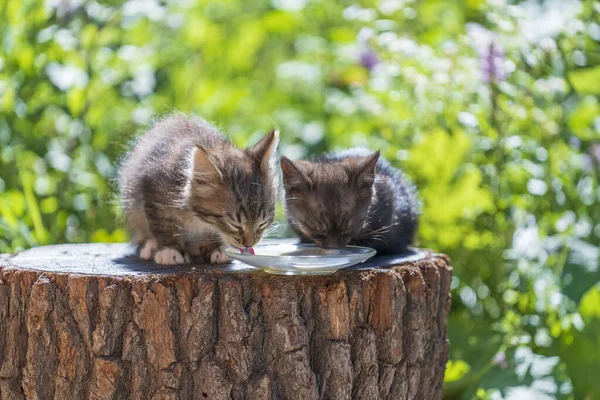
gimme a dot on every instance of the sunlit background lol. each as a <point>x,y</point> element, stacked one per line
<point>491,107</point>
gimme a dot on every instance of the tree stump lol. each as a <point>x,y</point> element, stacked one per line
<point>92,321</point>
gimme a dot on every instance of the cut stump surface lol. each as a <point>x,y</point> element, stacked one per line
<point>94,322</point>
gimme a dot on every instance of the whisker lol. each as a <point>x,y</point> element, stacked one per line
<point>382,230</point>
<point>271,235</point>
<point>380,240</point>
<point>375,234</point>
<point>372,236</point>
<point>386,228</point>
<point>273,227</point>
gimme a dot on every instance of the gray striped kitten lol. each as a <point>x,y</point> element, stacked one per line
<point>350,197</point>
<point>187,191</point>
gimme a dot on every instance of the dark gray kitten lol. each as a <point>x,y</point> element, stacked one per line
<point>186,191</point>
<point>350,197</point>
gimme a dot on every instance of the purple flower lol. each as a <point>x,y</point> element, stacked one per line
<point>500,360</point>
<point>595,151</point>
<point>491,59</point>
<point>588,162</point>
<point>575,142</point>
<point>369,59</point>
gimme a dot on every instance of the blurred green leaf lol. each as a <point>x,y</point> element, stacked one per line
<point>586,80</point>
<point>582,269</point>
<point>580,346</point>
<point>456,370</point>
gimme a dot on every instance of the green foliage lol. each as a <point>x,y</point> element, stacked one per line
<point>586,80</point>
<point>493,109</point>
<point>579,346</point>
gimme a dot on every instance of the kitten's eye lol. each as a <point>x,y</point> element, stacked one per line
<point>236,228</point>
<point>263,225</point>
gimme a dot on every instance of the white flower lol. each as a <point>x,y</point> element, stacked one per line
<point>356,12</point>
<point>65,77</point>
<point>548,19</point>
<point>299,70</point>
<point>391,6</point>
<point>144,81</point>
<point>526,242</point>
<point>537,187</point>
<point>151,9</point>
<point>289,5</point>
<point>467,119</point>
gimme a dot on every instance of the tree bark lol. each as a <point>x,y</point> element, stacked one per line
<point>94,322</point>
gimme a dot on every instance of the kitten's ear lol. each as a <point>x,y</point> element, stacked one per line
<point>204,168</point>
<point>365,169</point>
<point>293,177</point>
<point>265,150</point>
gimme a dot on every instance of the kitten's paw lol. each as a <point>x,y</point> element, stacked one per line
<point>218,257</point>
<point>170,256</point>
<point>148,249</point>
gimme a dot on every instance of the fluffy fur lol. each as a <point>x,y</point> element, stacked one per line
<point>350,197</point>
<point>187,191</point>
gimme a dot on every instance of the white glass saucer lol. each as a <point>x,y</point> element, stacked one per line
<point>301,259</point>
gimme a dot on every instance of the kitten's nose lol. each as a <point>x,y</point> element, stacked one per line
<point>338,242</point>
<point>248,240</point>
<point>333,243</point>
